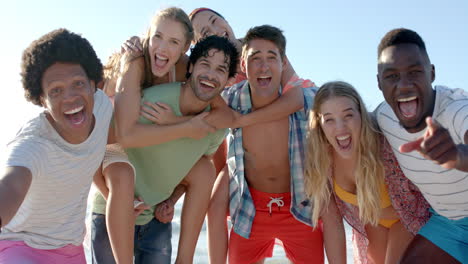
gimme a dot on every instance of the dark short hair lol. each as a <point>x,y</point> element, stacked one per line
<point>61,46</point>
<point>202,48</point>
<point>401,36</point>
<point>266,32</point>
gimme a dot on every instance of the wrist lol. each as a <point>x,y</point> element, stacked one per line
<point>462,157</point>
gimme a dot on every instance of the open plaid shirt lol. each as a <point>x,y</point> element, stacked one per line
<point>241,206</point>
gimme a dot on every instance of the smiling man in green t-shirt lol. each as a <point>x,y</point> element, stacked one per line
<point>162,164</point>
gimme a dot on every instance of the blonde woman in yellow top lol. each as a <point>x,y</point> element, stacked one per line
<point>349,162</point>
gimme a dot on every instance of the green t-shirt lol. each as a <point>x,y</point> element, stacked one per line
<point>160,168</point>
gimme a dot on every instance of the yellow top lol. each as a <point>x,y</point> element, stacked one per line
<point>352,198</point>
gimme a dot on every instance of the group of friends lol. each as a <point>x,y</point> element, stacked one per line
<point>235,130</point>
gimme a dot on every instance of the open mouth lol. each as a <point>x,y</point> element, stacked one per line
<point>207,85</point>
<point>76,116</point>
<point>264,80</point>
<point>408,106</point>
<point>344,142</point>
<point>160,61</point>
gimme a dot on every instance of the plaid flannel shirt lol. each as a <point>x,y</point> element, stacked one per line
<point>241,206</point>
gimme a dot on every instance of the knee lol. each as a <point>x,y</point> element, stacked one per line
<point>119,176</point>
<point>203,173</point>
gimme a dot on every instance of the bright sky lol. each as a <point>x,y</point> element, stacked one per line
<point>327,40</point>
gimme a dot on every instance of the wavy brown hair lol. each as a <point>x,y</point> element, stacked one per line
<point>369,168</point>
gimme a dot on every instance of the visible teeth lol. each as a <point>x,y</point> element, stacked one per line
<point>207,84</point>
<point>74,110</point>
<point>343,137</point>
<point>161,58</point>
<point>407,99</point>
<point>263,77</point>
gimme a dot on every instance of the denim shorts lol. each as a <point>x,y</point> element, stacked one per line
<point>152,242</point>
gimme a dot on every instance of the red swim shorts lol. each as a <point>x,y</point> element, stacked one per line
<point>301,243</point>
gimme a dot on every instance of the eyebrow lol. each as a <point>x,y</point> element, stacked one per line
<point>417,64</point>
<point>224,66</point>
<point>347,109</point>
<point>273,52</point>
<point>75,76</point>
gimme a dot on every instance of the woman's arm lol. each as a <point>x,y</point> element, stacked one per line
<point>131,133</point>
<point>334,236</point>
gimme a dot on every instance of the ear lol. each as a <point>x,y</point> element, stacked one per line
<point>243,64</point>
<point>42,101</point>
<point>284,61</point>
<point>433,74</point>
<point>190,68</point>
<point>378,81</point>
<point>93,85</point>
<point>186,48</point>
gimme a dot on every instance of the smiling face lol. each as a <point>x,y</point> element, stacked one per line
<point>166,45</point>
<point>405,78</point>
<point>209,75</point>
<point>263,65</point>
<point>68,97</point>
<point>207,23</point>
<point>340,121</point>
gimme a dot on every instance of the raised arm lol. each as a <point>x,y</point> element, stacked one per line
<point>14,184</point>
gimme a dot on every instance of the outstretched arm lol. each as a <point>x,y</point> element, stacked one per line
<point>14,185</point>
<point>436,144</point>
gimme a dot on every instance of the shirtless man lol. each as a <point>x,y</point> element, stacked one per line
<point>267,198</point>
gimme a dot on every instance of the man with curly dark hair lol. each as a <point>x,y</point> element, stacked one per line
<point>52,160</point>
<point>167,163</point>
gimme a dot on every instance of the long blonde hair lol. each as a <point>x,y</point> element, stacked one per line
<point>369,168</point>
<point>175,14</point>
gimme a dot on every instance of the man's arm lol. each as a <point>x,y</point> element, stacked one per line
<point>222,116</point>
<point>437,145</point>
<point>129,132</point>
<point>14,185</point>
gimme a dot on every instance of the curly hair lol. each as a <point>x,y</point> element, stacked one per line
<point>201,49</point>
<point>401,36</point>
<point>56,46</point>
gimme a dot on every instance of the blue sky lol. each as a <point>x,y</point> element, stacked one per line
<point>327,40</point>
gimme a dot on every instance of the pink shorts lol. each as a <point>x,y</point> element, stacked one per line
<point>17,252</point>
<point>301,243</point>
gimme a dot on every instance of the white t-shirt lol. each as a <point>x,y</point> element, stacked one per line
<point>445,190</point>
<point>53,212</point>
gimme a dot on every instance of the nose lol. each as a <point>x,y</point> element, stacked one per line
<point>70,94</point>
<point>405,83</point>
<point>162,46</point>
<point>340,124</point>
<point>264,66</point>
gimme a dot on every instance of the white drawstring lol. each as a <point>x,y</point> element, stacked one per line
<point>278,201</point>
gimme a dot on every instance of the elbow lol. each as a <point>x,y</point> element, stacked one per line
<point>124,139</point>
